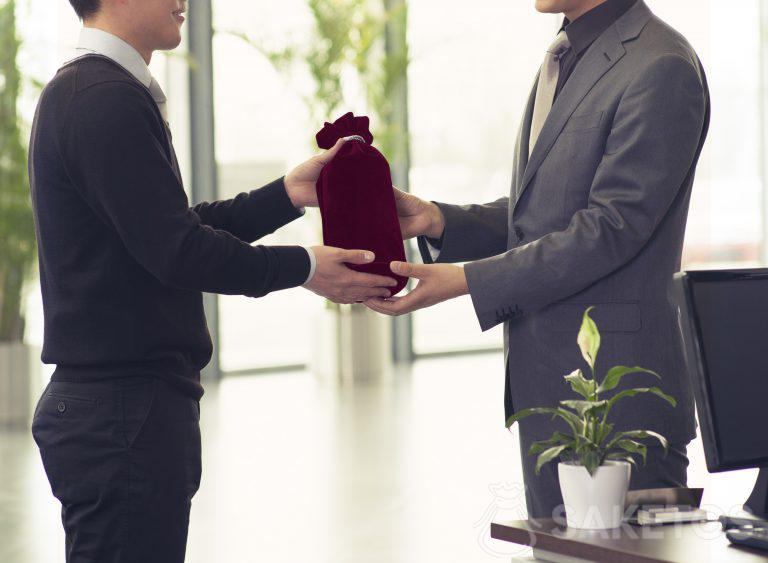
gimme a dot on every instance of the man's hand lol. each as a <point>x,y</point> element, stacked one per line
<point>418,217</point>
<point>301,182</point>
<point>437,283</point>
<point>334,281</point>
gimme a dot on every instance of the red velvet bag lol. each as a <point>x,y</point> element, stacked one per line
<point>356,200</point>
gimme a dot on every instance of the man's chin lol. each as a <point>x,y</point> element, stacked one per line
<point>547,7</point>
<point>171,43</point>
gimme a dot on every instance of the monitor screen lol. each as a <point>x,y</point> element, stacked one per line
<point>728,323</point>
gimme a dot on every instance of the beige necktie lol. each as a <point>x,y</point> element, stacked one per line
<point>545,91</point>
<point>159,96</point>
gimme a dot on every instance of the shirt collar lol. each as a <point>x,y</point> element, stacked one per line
<point>97,41</point>
<point>583,31</point>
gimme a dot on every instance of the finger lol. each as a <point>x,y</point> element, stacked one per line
<point>328,155</point>
<point>371,293</point>
<point>371,280</point>
<point>357,256</point>
<point>406,269</point>
<point>374,305</point>
<point>397,305</point>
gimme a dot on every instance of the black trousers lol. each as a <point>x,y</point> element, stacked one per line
<point>542,492</point>
<point>123,457</point>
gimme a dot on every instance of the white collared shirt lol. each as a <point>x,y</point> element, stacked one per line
<point>100,42</point>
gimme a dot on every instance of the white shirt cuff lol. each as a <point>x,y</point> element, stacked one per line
<point>312,263</point>
<point>433,252</point>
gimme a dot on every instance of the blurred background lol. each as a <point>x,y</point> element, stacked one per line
<point>369,439</point>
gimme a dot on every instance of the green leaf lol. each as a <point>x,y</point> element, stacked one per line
<point>639,434</point>
<point>583,408</point>
<point>614,375</point>
<point>633,447</point>
<point>548,455</point>
<point>581,385</point>
<point>575,423</point>
<point>604,430</point>
<point>591,460</point>
<point>589,339</point>
<point>632,392</point>
<point>557,439</point>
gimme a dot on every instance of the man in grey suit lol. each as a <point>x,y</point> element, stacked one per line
<point>603,170</point>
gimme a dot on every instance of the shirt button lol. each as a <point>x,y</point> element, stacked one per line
<point>519,234</point>
<point>61,407</point>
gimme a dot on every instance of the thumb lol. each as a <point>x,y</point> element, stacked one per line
<point>328,155</point>
<point>357,256</point>
<point>409,270</point>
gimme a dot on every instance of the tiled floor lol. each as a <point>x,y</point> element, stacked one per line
<point>297,471</point>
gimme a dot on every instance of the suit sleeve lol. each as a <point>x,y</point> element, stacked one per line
<point>650,151</point>
<point>472,232</point>
<point>115,154</point>
<point>250,216</point>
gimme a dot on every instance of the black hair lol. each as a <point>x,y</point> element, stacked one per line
<point>85,8</point>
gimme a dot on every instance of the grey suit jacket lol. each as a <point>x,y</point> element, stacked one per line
<point>595,217</point>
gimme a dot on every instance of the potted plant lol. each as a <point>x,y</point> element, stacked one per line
<point>17,235</point>
<point>596,462</point>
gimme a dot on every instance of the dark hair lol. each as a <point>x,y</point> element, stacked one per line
<point>85,8</point>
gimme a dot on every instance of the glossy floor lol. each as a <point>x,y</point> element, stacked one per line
<point>413,470</point>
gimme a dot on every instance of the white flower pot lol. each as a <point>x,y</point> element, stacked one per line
<point>594,502</point>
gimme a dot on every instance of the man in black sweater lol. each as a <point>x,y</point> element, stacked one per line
<point>123,262</point>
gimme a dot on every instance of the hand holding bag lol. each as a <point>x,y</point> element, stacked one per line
<point>356,199</point>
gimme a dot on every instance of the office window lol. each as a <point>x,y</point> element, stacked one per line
<point>262,129</point>
<point>470,77</point>
<point>726,218</point>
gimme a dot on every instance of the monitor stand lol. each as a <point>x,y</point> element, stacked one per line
<point>756,507</point>
<point>757,503</point>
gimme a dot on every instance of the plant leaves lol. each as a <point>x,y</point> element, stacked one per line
<point>581,385</point>
<point>593,408</point>
<point>575,423</point>
<point>639,434</point>
<point>591,459</point>
<point>633,447</point>
<point>548,455</point>
<point>557,439</point>
<point>589,339</point>
<point>632,392</point>
<point>614,375</point>
<point>602,432</point>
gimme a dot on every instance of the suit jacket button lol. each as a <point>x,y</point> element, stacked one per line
<point>61,407</point>
<point>519,234</point>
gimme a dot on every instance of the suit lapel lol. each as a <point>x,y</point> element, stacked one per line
<point>523,138</point>
<point>599,59</point>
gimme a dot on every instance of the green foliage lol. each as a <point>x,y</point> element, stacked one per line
<point>352,38</point>
<point>592,441</point>
<point>17,233</point>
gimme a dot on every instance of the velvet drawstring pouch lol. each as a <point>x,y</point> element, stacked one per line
<point>357,203</point>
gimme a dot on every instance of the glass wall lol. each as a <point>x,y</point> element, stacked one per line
<point>262,129</point>
<point>471,71</point>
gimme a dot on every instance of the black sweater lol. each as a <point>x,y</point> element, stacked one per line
<point>123,257</point>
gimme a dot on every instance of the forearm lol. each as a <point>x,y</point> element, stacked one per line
<point>251,216</point>
<point>217,262</point>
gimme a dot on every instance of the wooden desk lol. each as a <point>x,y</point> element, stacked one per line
<point>685,543</point>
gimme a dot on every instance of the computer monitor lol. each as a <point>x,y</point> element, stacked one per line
<point>723,317</point>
